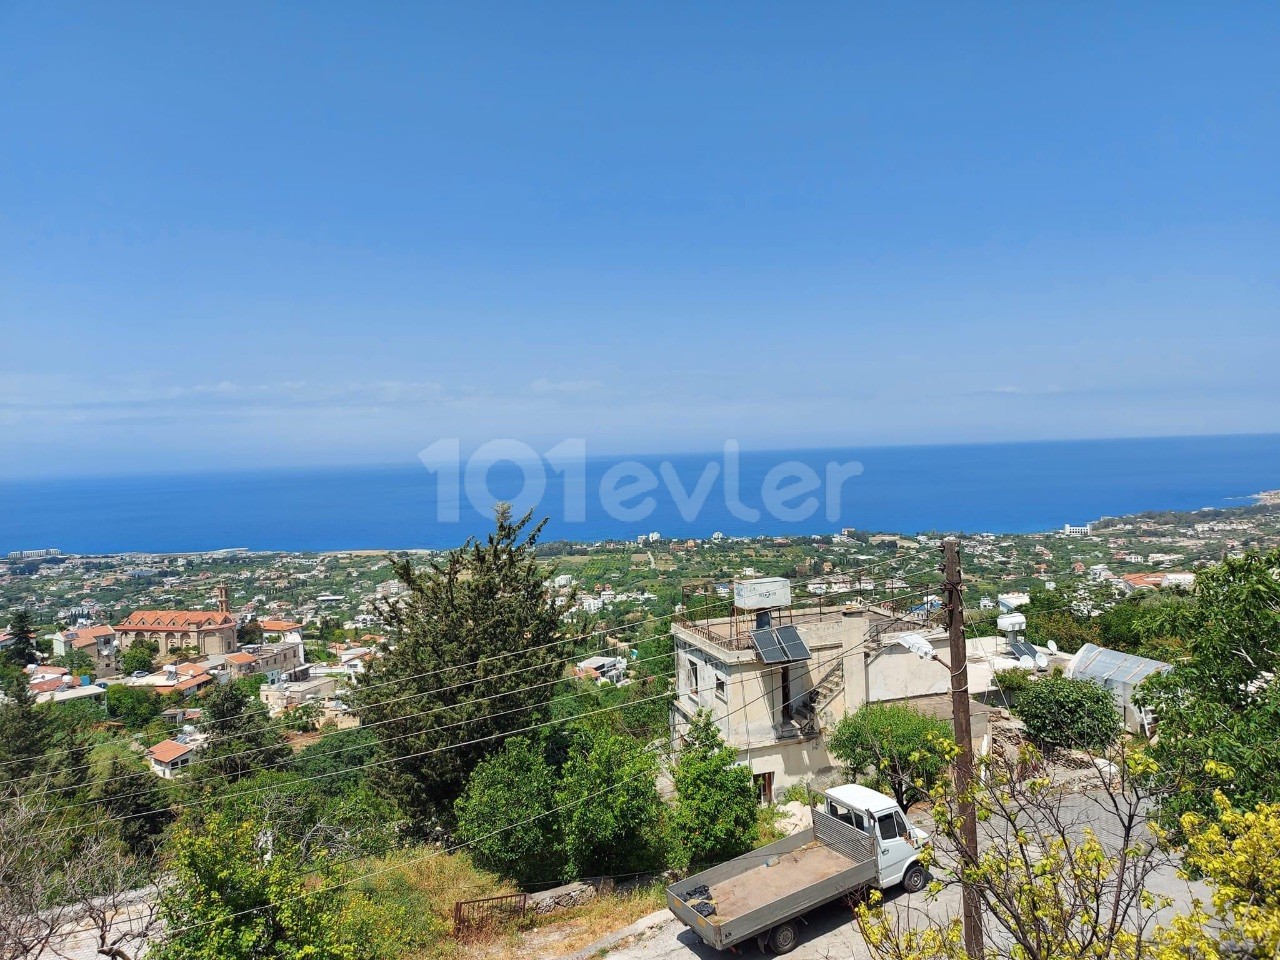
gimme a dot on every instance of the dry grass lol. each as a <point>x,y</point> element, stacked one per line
<point>417,900</point>
<point>563,933</point>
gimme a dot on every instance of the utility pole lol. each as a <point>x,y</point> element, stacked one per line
<point>964,768</point>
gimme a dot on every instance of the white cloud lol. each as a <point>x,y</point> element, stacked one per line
<point>544,386</point>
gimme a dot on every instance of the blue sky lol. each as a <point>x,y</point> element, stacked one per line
<point>270,235</point>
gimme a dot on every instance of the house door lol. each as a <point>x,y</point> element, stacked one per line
<point>764,788</point>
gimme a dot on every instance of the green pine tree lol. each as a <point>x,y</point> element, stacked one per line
<point>22,639</point>
<point>475,635</point>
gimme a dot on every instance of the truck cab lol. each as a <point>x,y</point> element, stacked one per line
<point>898,844</point>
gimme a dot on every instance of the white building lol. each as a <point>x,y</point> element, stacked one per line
<point>1009,602</point>
<point>1070,530</point>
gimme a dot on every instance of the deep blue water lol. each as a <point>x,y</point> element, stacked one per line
<point>1015,487</point>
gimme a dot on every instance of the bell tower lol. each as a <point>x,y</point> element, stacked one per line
<point>224,602</point>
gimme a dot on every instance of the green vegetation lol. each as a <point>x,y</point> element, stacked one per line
<point>715,815</point>
<point>612,817</point>
<point>508,814</point>
<point>476,628</point>
<point>237,894</point>
<point>22,639</point>
<point>1218,709</point>
<point>1061,712</point>
<point>1012,683</point>
<point>893,748</point>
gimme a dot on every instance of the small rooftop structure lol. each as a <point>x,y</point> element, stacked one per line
<point>1120,673</point>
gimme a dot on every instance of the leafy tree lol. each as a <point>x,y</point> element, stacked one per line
<point>476,634</point>
<point>22,643</point>
<point>240,892</point>
<point>612,815</point>
<point>135,707</point>
<point>242,738</point>
<point>249,632</point>
<point>893,748</point>
<point>715,815</point>
<point>1063,627</point>
<point>1047,887</point>
<point>344,750</point>
<point>1067,712</point>
<point>507,815</point>
<point>77,662</point>
<point>1233,851</point>
<point>139,658</point>
<point>1218,709</point>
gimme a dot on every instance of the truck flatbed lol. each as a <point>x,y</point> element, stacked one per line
<point>774,878</point>
<point>748,896</point>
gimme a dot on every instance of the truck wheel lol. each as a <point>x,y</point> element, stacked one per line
<point>914,881</point>
<point>784,938</point>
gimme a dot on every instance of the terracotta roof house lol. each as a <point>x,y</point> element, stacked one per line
<point>281,630</point>
<point>168,757</point>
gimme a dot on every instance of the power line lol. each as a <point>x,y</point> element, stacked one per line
<point>234,793</point>
<point>283,724</point>
<point>459,846</point>
<point>368,726</point>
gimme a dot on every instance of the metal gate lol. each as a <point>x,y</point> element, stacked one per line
<point>472,917</point>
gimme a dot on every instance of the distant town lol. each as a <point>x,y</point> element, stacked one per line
<point>304,625</point>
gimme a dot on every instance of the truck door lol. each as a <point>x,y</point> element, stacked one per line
<point>897,847</point>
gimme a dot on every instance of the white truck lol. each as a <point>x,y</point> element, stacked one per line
<point>860,839</point>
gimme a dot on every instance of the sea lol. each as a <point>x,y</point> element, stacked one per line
<point>997,487</point>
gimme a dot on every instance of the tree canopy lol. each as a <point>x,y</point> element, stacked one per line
<point>508,815</point>
<point>1070,713</point>
<point>471,659</point>
<point>893,747</point>
<point>715,810</point>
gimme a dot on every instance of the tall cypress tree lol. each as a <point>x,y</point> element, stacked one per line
<point>471,636</point>
<point>22,644</point>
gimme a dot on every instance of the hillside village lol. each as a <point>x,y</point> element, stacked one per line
<point>301,628</point>
<point>181,680</point>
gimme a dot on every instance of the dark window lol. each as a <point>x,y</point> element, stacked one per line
<point>846,816</point>
<point>888,827</point>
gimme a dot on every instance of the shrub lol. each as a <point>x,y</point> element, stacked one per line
<point>1070,713</point>
<point>715,815</point>
<point>1012,683</point>
<point>506,815</point>
<point>612,814</point>
<point>893,748</point>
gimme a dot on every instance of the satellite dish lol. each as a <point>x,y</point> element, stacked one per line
<point>1053,646</point>
<point>1042,662</point>
<point>1026,663</point>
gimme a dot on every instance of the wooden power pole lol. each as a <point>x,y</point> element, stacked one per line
<point>964,768</point>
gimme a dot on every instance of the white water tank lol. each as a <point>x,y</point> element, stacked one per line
<point>762,593</point>
<point>1011,623</point>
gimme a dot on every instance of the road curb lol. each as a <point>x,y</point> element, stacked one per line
<point>643,925</point>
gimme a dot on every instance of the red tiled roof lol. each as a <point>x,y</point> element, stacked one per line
<point>279,626</point>
<point>192,682</point>
<point>167,751</point>
<point>46,686</point>
<point>242,658</point>
<point>1144,579</point>
<point>176,620</point>
<point>88,636</point>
